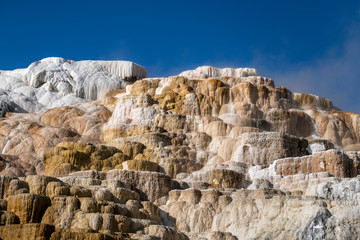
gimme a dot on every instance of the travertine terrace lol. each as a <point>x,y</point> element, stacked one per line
<point>96,150</point>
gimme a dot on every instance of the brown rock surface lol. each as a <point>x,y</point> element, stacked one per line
<point>150,185</point>
<point>26,231</point>
<point>204,155</point>
<point>334,162</point>
<point>28,207</point>
<point>67,157</point>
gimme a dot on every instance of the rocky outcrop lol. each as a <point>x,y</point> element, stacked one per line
<point>106,208</point>
<point>252,214</point>
<point>26,231</point>
<point>210,154</point>
<point>334,162</point>
<point>68,157</point>
<point>211,72</point>
<point>150,185</point>
<point>265,147</point>
<point>54,82</point>
<point>343,190</point>
<point>28,207</point>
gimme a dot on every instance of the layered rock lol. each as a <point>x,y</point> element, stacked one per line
<point>334,162</point>
<point>211,72</point>
<point>210,154</point>
<point>53,82</point>
<point>107,207</point>
<point>68,157</point>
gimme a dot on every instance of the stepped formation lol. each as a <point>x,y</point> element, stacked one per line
<point>209,154</point>
<point>55,82</point>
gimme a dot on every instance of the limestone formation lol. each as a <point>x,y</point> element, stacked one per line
<point>208,71</point>
<point>106,153</point>
<point>54,82</point>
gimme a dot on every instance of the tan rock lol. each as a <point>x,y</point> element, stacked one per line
<point>193,210</point>
<point>218,128</point>
<point>293,122</point>
<point>89,205</point>
<point>63,234</point>
<point>309,101</point>
<point>223,178</point>
<point>214,135</point>
<point>26,231</point>
<point>7,218</point>
<point>16,165</point>
<point>5,184</point>
<point>54,189</point>
<point>141,165</point>
<point>150,185</point>
<point>219,178</point>
<point>122,195</point>
<point>335,162</point>
<point>264,147</point>
<point>163,232</point>
<point>75,119</point>
<point>38,184</point>
<point>68,157</point>
<point>62,211</point>
<point>28,207</point>
<point>17,186</point>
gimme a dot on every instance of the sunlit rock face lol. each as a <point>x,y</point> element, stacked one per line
<point>209,154</point>
<point>209,72</point>
<point>54,82</point>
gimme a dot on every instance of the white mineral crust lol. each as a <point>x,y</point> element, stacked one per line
<point>208,71</point>
<point>53,82</point>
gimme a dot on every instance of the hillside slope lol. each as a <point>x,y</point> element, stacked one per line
<point>209,154</point>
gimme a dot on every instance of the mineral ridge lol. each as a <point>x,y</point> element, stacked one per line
<point>96,150</point>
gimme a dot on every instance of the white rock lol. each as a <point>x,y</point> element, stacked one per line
<point>208,71</point>
<point>95,221</point>
<point>132,109</point>
<point>348,189</point>
<point>53,82</point>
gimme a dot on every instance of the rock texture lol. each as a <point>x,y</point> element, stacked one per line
<point>208,72</point>
<point>209,154</point>
<point>54,82</point>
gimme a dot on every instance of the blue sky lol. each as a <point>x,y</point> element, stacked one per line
<point>307,46</point>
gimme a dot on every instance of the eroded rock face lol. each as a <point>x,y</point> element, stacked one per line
<point>210,154</point>
<point>26,231</point>
<point>28,207</point>
<point>68,157</point>
<point>54,82</point>
<point>150,185</point>
<point>208,72</point>
<point>334,162</point>
<point>105,208</point>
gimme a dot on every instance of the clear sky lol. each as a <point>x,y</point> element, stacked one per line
<point>307,46</point>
